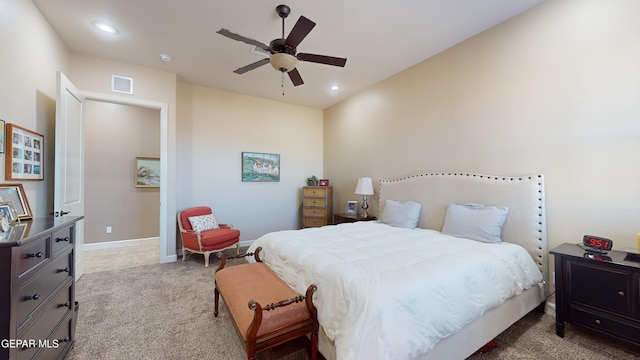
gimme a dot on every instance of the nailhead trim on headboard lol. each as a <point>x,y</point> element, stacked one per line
<point>537,249</point>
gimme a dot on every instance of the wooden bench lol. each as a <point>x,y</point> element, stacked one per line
<point>287,316</point>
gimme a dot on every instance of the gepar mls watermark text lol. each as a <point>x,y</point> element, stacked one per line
<point>29,343</point>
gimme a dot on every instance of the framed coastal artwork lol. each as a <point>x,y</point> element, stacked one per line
<point>260,167</point>
<point>147,172</point>
<point>24,159</point>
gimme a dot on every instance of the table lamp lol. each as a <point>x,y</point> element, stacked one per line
<point>364,188</point>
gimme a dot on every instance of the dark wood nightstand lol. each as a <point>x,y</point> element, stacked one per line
<point>600,292</point>
<point>348,218</point>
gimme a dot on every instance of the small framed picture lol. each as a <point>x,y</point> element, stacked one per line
<point>146,172</point>
<point>14,193</point>
<point>2,136</point>
<point>352,207</point>
<point>323,182</point>
<point>7,211</point>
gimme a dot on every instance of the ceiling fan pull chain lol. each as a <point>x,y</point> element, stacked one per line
<point>282,82</point>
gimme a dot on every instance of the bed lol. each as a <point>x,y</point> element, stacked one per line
<point>383,287</point>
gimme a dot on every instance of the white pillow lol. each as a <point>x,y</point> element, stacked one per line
<point>475,222</point>
<point>203,222</point>
<point>403,214</point>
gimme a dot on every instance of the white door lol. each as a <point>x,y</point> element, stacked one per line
<point>69,161</point>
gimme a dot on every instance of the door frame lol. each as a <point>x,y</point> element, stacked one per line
<point>167,169</point>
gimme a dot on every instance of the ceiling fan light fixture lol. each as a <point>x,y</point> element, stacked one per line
<point>283,62</point>
<point>282,52</point>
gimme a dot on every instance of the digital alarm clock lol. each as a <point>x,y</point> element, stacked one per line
<point>597,243</point>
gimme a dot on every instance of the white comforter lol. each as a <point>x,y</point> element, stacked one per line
<point>392,293</point>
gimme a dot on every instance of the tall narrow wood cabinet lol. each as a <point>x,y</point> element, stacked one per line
<point>37,289</point>
<point>317,206</point>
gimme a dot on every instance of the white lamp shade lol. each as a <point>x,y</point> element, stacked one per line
<point>281,61</point>
<point>364,186</point>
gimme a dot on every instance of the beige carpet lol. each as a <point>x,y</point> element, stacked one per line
<point>165,311</point>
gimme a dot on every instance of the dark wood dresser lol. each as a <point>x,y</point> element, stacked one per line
<point>37,297</point>
<point>598,291</point>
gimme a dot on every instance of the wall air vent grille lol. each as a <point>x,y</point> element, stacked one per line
<point>122,84</point>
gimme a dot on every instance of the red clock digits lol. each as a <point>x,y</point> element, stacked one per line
<point>595,242</point>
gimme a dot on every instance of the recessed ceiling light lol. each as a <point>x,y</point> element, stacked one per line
<point>105,27</point>
<point>335,87</point>
<point>166,57</point>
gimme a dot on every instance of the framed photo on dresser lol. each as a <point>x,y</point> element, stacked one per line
<point>352,208</point>
<point>15,194</point>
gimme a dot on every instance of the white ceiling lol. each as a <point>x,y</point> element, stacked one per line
<point>379,38</point>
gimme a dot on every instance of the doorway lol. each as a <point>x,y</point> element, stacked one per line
<point>167,166</point>
<point>122,217</point>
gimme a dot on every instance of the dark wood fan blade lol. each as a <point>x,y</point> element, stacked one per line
<point>295,77</point>
<point>251,66</point>
<point>234,36</point>
<point>300,30</point>
<point>322,59</point>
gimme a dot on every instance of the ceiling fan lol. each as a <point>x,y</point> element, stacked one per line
<point>283,50</point>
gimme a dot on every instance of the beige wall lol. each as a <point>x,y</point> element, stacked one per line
<point>115,135</point>
<point>28,91</point>
<point>215,127</point>
<point>553,91</point>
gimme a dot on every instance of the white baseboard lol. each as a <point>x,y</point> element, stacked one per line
<point>148,241</point>
<point>551,308</point>
<point>121,243</point>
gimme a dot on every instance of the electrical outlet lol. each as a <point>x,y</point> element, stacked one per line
<point>109,229</point>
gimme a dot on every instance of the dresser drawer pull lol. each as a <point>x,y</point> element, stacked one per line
<point>67,304</point>
<point>39,254</point>
<point>597,321</point>
<point>621,293</point>
<point>64,270</point>
<point>33,297</point>
<point>66,339</point>
<point>66,238</point>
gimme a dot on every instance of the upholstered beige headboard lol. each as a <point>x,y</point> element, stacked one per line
<point>524,195</point>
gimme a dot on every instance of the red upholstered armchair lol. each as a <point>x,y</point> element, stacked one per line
<point>203,235</point>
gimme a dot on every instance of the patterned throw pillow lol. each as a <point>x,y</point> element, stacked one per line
<point>203,222</point>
